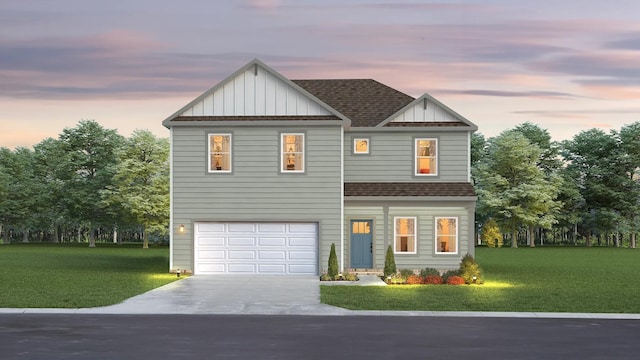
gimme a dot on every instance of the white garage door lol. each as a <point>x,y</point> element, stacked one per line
<point>256,248</point>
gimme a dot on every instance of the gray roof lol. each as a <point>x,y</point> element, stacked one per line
<point>365,102</point>
<point>409,189</point>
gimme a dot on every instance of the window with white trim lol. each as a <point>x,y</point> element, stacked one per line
<point>360,146</point>
<point>426,157</point>
<point>219,153</point>
<point>405,235</point>
<point>292,155</point>
<point>446,235</point>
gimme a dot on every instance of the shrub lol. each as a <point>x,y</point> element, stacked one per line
<point>469,269</point>
<point>333,262</point>
<point>397,278</point>
<point>415,279</point>
<point>429,271</point>
<point>433,280</point>
<point>447,274</point>
<point>389,263</point>
<point>350,277</point>
<point>455,280</point>
<point>491,234</point>
<point>325,277</point>
<point>406,272</point>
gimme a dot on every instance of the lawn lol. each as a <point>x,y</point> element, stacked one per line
<point>72,276</point>
<point>543,279</point>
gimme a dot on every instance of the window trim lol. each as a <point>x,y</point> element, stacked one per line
<point>209,153</point>
<point>416,171</point>
<point>457,237</point>
<point>355,140</point>
<point>282,153</point>
<point>415,235</point>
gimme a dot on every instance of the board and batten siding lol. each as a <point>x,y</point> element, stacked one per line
<point>252,92</point>
<point>425,253</point>
<point>391,157</point>
<point>255,191</point>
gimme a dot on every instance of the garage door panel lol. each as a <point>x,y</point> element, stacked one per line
<point>240,227</point>
<point>271,241</point>
<point>272,269</point>
<point>278,255</point>
<point>212,241</point>
<point>258,248</point>
<point>241,268</point>
<point>211,254</point>
<point>302,241</point>
<point>241,241</point>
<point>272,228</point>
<point>238,254</point>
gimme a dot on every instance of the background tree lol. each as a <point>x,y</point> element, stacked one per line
<point>491,234</point>
<point>89,169</point>
<point>141,182</point>
<point>511,187</point>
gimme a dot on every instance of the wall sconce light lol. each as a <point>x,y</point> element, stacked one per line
<point>177,272</point>
<point>181,229</point>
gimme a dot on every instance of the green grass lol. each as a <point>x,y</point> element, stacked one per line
<point>68,276</point>
<point>544,279</point>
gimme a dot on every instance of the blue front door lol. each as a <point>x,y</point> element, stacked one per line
<point>361,244</point>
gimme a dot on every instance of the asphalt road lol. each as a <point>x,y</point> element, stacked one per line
<point>59,336</point>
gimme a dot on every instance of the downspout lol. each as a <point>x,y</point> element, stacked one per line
<point>342,199</point>
<point>171,247</point>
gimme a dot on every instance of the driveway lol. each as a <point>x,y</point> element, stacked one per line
<point>229,294</point>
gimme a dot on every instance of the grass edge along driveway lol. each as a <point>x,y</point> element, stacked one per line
<point>543,279</point>
<point>76,276</point>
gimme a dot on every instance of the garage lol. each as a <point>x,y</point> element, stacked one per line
<point>256,248</point>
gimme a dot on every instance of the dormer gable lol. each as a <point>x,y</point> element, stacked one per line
<point>425,111</point>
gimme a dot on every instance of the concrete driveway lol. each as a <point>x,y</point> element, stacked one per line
<point>229,294</point>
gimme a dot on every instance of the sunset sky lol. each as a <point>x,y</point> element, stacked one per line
<point>567,65</point>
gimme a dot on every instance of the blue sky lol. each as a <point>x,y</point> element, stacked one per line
<point>566,65</point>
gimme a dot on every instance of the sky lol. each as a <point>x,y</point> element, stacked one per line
<point>567,66</point>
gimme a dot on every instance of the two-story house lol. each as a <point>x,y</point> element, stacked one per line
<point>267,173</point>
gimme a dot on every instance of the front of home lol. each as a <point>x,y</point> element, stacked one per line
<point>267,173</point>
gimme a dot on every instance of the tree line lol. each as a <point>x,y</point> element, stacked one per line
<point>583,191</point>
<point>90,183</point>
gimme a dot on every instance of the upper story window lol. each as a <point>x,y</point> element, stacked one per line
<point>219,153</point>
<point>360,145</point>
<point>446,235</point>
<point>405,235</point>
<point>426,157</point>
<point>292,158</point>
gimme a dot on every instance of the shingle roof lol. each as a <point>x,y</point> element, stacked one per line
<point>425,123</point>
<point>409,189</point>
<point>256,118</point>
<point>365,101</point>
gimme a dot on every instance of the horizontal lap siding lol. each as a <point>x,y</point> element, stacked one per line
<point>256,191</point>
<point>391,157</point>
<point>425,256</point>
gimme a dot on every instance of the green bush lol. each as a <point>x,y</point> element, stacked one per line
<point>325,277</point>
<point>449,273</point>
<point>350,277</point>
<point>397,278</point>
<point>333,262</point>
<point>470,270</point>
<point>406,272</point>
<point>428,272</point>
<point>389,263</point>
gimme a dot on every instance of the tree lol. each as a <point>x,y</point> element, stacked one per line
<point>89,169</point>
<point>491,234</point>
<point>332,269</point>
<point>630,145</point>
<point>141,182</point>
<point>511,187</point>
<point>389,263</point>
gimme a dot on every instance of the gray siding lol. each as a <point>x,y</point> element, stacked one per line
<point>425,253</point>
<point>391,157</point>
<point>256,191</point>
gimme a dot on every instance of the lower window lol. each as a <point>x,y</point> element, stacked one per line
<point>446,235</point>
<point>405,235</point>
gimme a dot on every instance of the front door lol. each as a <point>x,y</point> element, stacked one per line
<point>361,244</point>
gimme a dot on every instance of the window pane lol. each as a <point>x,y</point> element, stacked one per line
<point>220,148</point>
<point>426,156</point>
<point>405,236</point>
<point>361,146</point>
<point>292,152</point>
<point>447,237</point>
